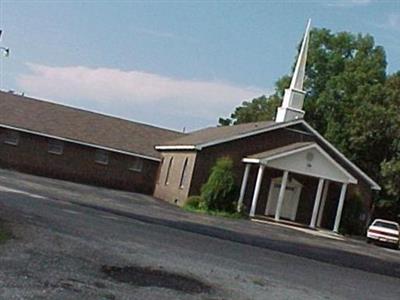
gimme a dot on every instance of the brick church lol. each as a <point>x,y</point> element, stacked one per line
<point>285,168</point>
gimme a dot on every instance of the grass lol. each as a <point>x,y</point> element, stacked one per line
<point>224,214</point>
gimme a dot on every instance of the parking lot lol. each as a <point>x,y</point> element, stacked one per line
<point>67,235</point>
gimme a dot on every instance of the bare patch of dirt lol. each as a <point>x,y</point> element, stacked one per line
<point>146,276</point>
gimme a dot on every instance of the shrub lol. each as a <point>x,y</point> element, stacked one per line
<point>194,202</point>
<point>219,192</point>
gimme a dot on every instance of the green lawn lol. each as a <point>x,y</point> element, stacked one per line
<point>224,214</point>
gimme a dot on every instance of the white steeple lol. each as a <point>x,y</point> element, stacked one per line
<point>292,104</point>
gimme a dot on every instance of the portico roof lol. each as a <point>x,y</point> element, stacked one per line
<point>306,158</point>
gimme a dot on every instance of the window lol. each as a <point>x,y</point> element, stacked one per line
<point>101,157</point>
<point>168,170</point>
<point>159,170</point>
<point>137,165</point>
<point>12,138</point>
<point>183,175</point>
<point>56,147</point>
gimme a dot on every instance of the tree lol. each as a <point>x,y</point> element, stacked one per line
<point>218,193</point>
<point>390,167</point>
<point>258,109</point>
<point>350,101</point>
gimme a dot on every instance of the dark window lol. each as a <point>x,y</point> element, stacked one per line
<point>12,138</point>
<point>386,225</point>
<point>56,147</point>
<point>183,175</point>
<point>101,157</point>
<point>137,165</point>
<point>168,170</point>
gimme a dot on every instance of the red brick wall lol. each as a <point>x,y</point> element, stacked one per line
<point>76,164</point>
<point>239,149</point>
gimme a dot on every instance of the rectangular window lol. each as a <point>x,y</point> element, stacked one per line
<point>168,171</point>
<point>56,147</point>
<point>183,174</point>
<point>12,138</point>
<point>101,157</point>
<point>137,165</point>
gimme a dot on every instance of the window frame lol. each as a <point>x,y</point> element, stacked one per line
<point>137,168</point>
<point>56,143</point>
<point>11,138</point>
<point>100,152</point>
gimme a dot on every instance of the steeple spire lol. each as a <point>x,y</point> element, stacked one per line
<point>292,104</point>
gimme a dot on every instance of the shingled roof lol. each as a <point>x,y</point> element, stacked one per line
<point>82,126</point>
<point>211,134</point>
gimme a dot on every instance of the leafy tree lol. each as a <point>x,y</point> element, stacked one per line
<point>258,109</point>
<point>350,101</point>
<point>390,167</point>
<point>219,192</point>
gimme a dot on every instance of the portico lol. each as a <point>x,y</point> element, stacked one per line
<point>306,159</point>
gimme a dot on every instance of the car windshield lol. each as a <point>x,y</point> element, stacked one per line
<point>386,225</point>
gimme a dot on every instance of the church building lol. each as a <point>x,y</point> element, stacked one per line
<point>285,168</point>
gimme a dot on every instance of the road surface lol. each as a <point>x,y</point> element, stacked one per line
<point>61,251</point>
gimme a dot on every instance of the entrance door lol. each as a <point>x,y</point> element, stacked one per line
<point>290,201</point>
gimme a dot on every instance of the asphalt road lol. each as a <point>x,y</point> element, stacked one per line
<point>60,250</point>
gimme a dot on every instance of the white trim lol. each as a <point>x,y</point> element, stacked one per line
<point>251,160</point>
<point>301,149</point>
<point>232,138</point>
<point>322,151</point>
<point>374,185</point>
<point>80,143</point>
<point>179,147</point>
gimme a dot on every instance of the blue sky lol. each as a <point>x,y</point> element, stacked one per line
<point>172,64</point>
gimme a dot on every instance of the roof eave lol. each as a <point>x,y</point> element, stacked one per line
<point>373,184</point>
<point>177,147</point>
<point>232,138</point>
<point>80,142</point>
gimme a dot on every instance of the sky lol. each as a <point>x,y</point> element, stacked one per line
<point>173,64</point>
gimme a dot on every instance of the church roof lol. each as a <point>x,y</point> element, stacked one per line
<point>207,137</point>
<point>306,158</point>
<point>215,135</point>
<point>81,126</point>
<point>280,150</point>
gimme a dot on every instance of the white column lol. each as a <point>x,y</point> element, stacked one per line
<point>340,207</point>
<point>322,205</point>
<point>316,203</point>
<point>281,195</point>
<point>257,190</point>
<point>243,187</point>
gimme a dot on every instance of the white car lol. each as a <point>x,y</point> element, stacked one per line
<point>383,231</point>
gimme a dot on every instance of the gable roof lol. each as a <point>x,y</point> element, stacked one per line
<point>281,150</point>
<point>81,126</point>
<point>293,157</point>
<point>216,135</point>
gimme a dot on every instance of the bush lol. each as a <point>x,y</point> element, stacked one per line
<point>219,192</point>
<point>194,202</point>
